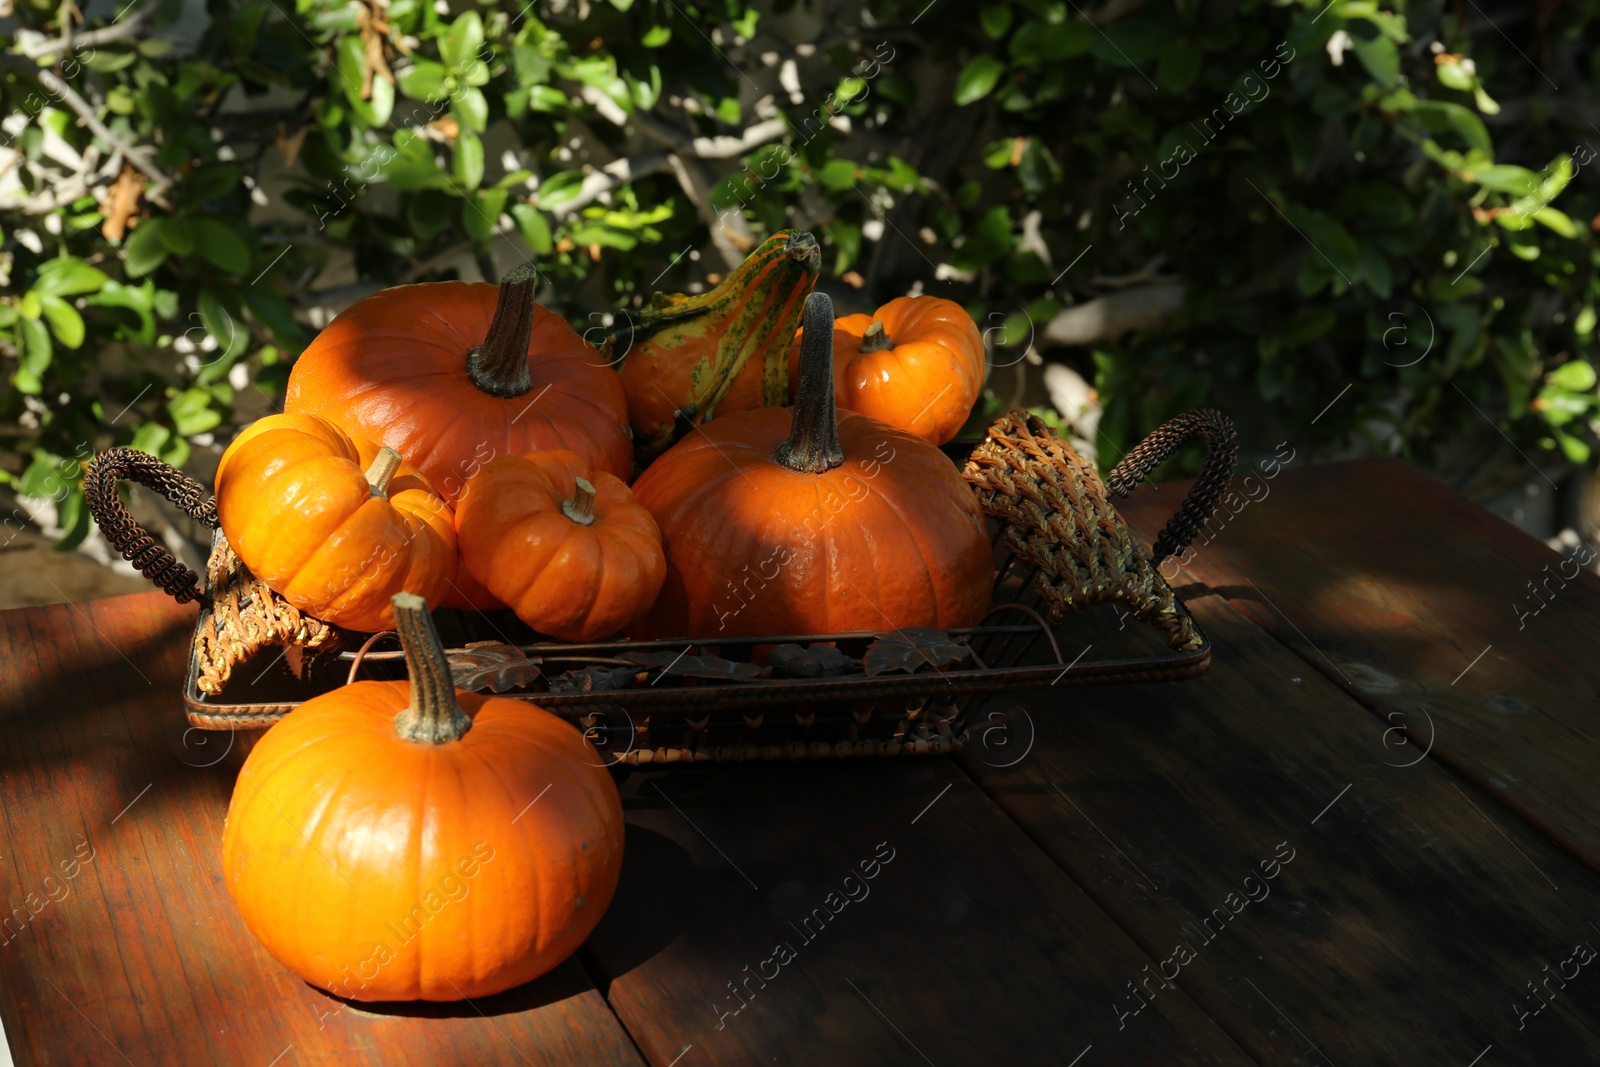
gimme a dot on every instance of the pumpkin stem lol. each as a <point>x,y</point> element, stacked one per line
<point>580,509</point>
<point>876,339</point>
<point>813,444</point>
<point>433,716</point>
<point>382,469</point>
<point>499,366</point>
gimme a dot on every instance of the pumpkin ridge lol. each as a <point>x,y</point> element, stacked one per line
<point>921,554</point>
<point>333,544</point>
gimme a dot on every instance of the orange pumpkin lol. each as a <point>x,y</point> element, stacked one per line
<point>808,520</point>
<point>916,363</point>
<point>334,523</point>
<point>566,547</point>
<point>411,841</point>
<point>453,374</point>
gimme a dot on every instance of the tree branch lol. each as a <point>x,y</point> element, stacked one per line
<point>112,34</point>
<point>1108,317</point>
<point>604,179</point>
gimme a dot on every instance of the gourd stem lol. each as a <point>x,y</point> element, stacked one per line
<point>382,469</point>
<point>580,509</point>
<point>813,444</point>
<point>433,716</point>
<point>876,339</point>
<point>499,366</point>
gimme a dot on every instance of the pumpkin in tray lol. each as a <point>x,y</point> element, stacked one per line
<point>565,546</point>
<point>916,363</point>
<point>334,523</point>
<point>411,841</point>
<point>453,374</point>
<point>812,520</point>
<point>687,358</point>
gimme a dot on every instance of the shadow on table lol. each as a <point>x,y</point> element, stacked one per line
<point>646,915</point>
<point>566,981</point>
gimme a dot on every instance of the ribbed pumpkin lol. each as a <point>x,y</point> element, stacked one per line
<point>808,520</point>
<point>331,521</point>
<point>410,841</point>
<point>565,546</point>
<point>916,363</point>
<point>453,374</point>
<point>688,358</point>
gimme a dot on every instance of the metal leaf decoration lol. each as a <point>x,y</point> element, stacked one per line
<point>909,650</point>
<point>713,667</point>
<point>492,665</point>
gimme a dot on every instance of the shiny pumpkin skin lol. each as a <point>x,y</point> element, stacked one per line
<point>570,581</point>
<point>891,538</point>
<point>926,383</point>
<point>383,869</point>
<point>295,504</point>
<point>393,368</point>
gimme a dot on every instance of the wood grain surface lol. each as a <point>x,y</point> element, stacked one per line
<point>131,951</point>
<point>1416,602</point>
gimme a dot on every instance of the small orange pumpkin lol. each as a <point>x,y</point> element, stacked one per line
<point>565,546</point>
<point>412,841</point>
<point>916,363</point>
<point>332,522</point>
<point>811,520</point>
<point>453,374</point>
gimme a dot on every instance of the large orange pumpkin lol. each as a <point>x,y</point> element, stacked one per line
<point>331,521</point>
<point>565,546</point>
<point>411,841</point>
<point>453,374</point>
<point>916,363</point>
<point>808,520</point>
<point>687,358</point>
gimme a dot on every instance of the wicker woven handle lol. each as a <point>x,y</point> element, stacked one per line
<point>136,545</point>
<point>1222,445</point>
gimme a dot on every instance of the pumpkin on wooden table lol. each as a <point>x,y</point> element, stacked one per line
<point>331,521</point>
<point>812,520</point>
<point>563,545</point>
<point>916,363</point>
<point>687,358</point>
<point>453,374</point>
<point>412,841</point>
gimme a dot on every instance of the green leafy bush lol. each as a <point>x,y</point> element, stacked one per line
<point>1270,205</point>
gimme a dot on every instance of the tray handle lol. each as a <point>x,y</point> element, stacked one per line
<point>136,544</point>
<point>1222,450</point>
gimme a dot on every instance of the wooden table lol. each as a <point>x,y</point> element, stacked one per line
<point>1369,835</point>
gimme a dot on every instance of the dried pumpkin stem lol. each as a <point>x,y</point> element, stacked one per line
<point>813,444</point>
<point>382,469</point>
<point>499,366</point>
<point>580,509</point>
<point>433,716</point>
<point>876,339</point>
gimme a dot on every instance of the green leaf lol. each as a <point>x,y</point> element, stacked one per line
<point>1178,66</point>
<point>423,80</point>
<point>177,234</point>
<point>460,46</point>
<point>1504,178</point>
<point>208,183</point>
<point>468,161</point>
<point>1441,116</point>
<point>191,412</point>
<point>1557,221</point>
<point>472,109</point>
<point>1380,56</point>
<point>977,79</point>
<point>219,244</point>
<point>534,228</point>
<point>68,276</point>
<point>656,36</point>
<point>480,212</point>
<point>996,19</point>
<point>64,320</point>
<point>36,353</point>
<point>1455,76</point>
<point>1575,376</point>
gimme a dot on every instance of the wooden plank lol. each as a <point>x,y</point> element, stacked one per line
<point>1408,597</point>
<point>133,950</point>
<point>878,912</point>
<point>1398,915</point>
